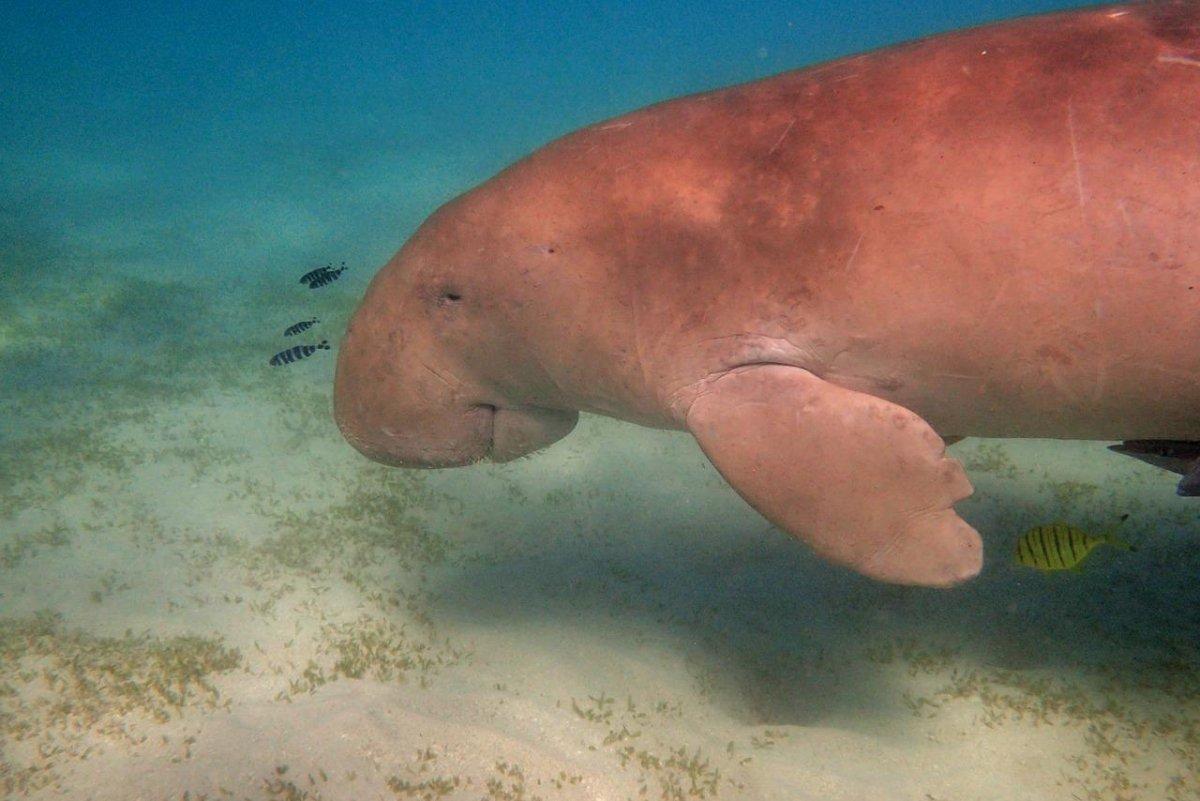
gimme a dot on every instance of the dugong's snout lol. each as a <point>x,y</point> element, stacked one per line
<point>400,407</point>
<point>396,407</point>
<point>451,439</point>
<point>418,440</point>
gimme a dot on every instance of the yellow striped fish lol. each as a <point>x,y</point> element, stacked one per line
<point>1061,547</point>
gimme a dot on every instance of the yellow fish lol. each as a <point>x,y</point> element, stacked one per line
<point>1061,547</point>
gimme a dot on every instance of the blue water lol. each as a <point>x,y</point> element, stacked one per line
<point>168,170</point>
<point>162,137</point>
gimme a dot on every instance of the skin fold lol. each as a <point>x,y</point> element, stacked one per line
<point>994,232</point>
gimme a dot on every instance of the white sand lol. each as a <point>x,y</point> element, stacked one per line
<point>605,620</point>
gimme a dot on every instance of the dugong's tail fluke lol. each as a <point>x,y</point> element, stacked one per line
<point>865,482</point>
<point>1189,485</point>
<point>1177,455</point>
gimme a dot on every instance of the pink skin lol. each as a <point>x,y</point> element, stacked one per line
<point>993,233</point>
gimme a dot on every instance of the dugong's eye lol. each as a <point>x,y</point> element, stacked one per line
<point>448,297</point>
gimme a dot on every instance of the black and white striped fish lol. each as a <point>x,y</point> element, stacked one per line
<point>300,327</point>
<point>327,276</point>
<point>311,274</point>
<point>296,353</point>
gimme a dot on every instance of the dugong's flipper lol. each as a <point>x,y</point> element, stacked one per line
<point>863,481</point>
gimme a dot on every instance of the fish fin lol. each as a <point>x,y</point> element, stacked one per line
<point>863,481</point>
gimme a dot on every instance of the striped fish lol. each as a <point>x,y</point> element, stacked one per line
<point>300,327</point>
<point>326,276</point>
<point>296,353</point>
<point>311,274</point>
<point>1061,547</point>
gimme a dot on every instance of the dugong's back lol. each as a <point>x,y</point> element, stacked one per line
<point>1004,213</point>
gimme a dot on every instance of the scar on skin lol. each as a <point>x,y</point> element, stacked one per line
<point>1191,62</point>
<point>440,377</point>
<point>782,136</point>
<point>1075,152</point>
<point>1125,216</point>
<point>854,252</point>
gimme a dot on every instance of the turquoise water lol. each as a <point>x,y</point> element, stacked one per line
<point>205,591</point>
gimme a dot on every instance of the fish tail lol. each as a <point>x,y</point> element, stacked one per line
<point>1117,542</point>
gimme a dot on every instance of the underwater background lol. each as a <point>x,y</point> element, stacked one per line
<point>205,593</point>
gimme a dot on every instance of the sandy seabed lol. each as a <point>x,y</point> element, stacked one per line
<point>206,594</point>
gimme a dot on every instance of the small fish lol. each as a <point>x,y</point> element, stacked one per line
<point>1061,547</point>
<point>296,353</point>
<point>326,276</point>
<point>300,327</point>
<point>312,274</point>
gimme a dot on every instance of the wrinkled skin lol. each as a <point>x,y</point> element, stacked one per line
<point>994,233</point>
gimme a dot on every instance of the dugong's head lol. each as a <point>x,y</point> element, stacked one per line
<point>433,371</point>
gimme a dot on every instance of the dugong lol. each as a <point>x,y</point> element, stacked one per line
<point>994,232</point>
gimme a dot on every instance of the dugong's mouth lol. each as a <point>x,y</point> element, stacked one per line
<point>482,431</point>
<point>521,430</point>
<point>431,441</point>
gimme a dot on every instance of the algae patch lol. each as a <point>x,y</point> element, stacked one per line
<point>1130,723</point>
<point>21,545</point>
<point>375,648</point>
<point>675,772</point>
<point>66,692</point>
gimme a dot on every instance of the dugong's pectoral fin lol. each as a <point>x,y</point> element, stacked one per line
<point>863,481</point>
